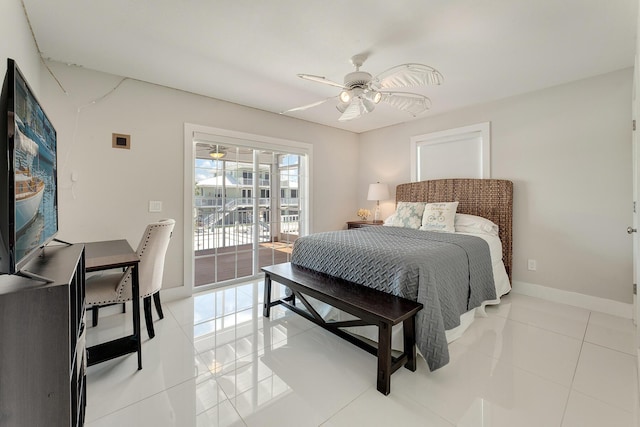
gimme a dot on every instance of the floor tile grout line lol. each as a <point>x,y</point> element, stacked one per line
<point>301,331</point>
<point>572,390</point>
<point>234,397</point>
<point>525,369</point>
<point>512,365</point>
<point>543,328</point>
<point>139,401</point>
<point>345,406</point>
<point>583,338</point>
<point>575,370</point>
<point>254,352</point>
<point>609,348</point>
<point>213,376</point>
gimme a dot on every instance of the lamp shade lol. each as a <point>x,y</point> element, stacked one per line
<point>378,192</point>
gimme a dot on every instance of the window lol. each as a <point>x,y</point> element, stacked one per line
<point>455,153</point>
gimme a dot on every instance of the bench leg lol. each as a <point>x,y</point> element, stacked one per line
<point>384,358</point>
<point>409,333</point>
<point>267,295</point>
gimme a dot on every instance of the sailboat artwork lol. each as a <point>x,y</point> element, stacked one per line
<point>29,184</point>
<point>29,188</point>
<point>34,165</point>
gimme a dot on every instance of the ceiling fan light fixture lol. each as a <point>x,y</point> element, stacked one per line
<point>367,105</point>
<point>361,92</point>
<point>217,153</point>
<point>374,96</point>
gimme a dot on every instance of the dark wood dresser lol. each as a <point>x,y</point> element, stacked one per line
<point>42,342</point>
<point>360,224</point>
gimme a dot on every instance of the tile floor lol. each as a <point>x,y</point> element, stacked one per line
<point>215,361</point>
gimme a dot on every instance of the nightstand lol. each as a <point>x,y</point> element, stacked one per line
<point>360,224</point>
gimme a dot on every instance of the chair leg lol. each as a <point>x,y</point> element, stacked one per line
<point>124,307</point>
<point>94,315</point>
<point>148,317</point>
<point>156,300</point>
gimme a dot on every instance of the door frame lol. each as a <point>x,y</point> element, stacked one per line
<point>231,137</point>
<point>635,158</point>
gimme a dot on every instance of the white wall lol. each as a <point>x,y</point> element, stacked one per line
<point>568,151</point>
<point>17,43</point>
<point>110,199</point>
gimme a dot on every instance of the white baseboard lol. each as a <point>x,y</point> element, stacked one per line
<point>171,294</point>
<point>603,305</point>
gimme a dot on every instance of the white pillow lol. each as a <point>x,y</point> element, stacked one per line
<point>439,217</point>
<point>465,223</point>
<point>389,220</point>
<point>408,215</point>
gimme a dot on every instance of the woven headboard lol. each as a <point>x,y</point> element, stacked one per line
<point>488,198</point>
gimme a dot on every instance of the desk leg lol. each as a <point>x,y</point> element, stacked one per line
<point>135,290</point>
<point>267,295</point>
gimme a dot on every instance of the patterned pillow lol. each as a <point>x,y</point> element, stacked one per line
<point>439,217</point>
<point>408,214</point>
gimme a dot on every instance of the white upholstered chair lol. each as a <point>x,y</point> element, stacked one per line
<point>115,288</point>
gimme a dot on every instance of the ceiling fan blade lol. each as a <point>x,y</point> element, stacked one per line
<point>407,75</point>
<point>320,79</point>
<point>413,103</point>
<point>304,107</point>
<point>356,108</point>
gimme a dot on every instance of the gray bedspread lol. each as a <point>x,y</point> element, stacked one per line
<point>448,273</point>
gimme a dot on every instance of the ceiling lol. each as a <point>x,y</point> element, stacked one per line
<point>249,51</point>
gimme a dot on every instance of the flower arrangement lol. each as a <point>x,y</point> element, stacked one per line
<point>364,214</point>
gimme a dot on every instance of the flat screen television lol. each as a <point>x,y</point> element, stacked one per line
<point>28,174</point>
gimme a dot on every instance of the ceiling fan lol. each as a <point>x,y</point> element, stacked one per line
<point>361,92</point>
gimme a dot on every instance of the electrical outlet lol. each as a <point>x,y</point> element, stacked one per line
<point>532,265</point>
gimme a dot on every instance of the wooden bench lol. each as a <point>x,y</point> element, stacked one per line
<point>370,306</point>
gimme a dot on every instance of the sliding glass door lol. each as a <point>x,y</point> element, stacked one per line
<point>249,207</point>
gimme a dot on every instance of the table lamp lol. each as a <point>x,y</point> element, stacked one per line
<point>378,192</point>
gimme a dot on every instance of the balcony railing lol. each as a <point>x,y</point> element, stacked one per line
<point>232,203</point>
<point>249,181</point>
<point>211,232</point>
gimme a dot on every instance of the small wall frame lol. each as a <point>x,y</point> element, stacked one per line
<point>119,140</point>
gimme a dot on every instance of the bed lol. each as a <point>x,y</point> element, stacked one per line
<point>466,270</point>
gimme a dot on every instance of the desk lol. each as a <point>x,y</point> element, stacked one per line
<point>105,256</point>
